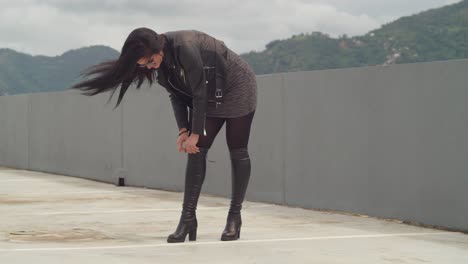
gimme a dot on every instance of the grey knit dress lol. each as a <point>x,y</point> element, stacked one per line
<point>240,95</point>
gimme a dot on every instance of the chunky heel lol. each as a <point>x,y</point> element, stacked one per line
<point>184,228</point>
<point>229,237</point>
<point>177,238</point>
<point>193,235</point>
<point>232,229</point>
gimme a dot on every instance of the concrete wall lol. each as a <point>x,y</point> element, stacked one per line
<point>72,135</point>
<point>383,141</point>
<point>14,131</point>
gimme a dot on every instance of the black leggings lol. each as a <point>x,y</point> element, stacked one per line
<point>237,131</point>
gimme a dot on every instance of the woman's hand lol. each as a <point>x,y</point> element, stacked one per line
<point>182,138</point>
<point>191,144</point>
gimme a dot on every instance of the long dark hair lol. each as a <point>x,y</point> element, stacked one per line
<point>141,42</point>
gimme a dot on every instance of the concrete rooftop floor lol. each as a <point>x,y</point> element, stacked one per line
<point>48,218</point>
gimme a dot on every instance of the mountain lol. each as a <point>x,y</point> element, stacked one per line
<point>23,73</point>
<point>436,34</point>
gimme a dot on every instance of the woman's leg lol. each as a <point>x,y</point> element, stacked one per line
<point>213,125</point>
<point>194,177</point>
<point>237,135</point>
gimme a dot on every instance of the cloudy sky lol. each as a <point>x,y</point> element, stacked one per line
<point>51,27</point>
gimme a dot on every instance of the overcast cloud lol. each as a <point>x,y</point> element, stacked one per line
<point>51,27</point>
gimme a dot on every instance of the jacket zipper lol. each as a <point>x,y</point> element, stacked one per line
<point>185,92</point>
<point>182,74</point>
<point>204,117</point>
<point>204,128</point>
<point>169,80</point>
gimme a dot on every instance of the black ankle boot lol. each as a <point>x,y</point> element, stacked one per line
<point>241,167</point>
<point>232,229</point>
<point>194,177</point>
<point>187,225</point>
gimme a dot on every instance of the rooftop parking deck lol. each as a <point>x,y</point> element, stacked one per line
<point>48,218</point>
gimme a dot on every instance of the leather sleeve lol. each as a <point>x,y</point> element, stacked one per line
<point>180,111</point>
<point>191,61</point>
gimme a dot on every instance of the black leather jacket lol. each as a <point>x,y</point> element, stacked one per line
<point>192,71</point>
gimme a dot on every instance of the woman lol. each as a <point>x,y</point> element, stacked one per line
<point>208,85</point>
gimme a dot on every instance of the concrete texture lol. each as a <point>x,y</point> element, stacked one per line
<point>149,135</point>
<point>389,142</point>
<point>74,135</point>
<point>14,131</point>
<point>47,218</point>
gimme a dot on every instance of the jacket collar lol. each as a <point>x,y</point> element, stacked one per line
<point>169,53</point>
<point>167,63</point>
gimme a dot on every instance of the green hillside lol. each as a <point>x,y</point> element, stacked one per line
<point>437,34</point>
<point>22,73</point>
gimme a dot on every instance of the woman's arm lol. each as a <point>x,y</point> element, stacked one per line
<point>191,61</point>
<point>180,112</point>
